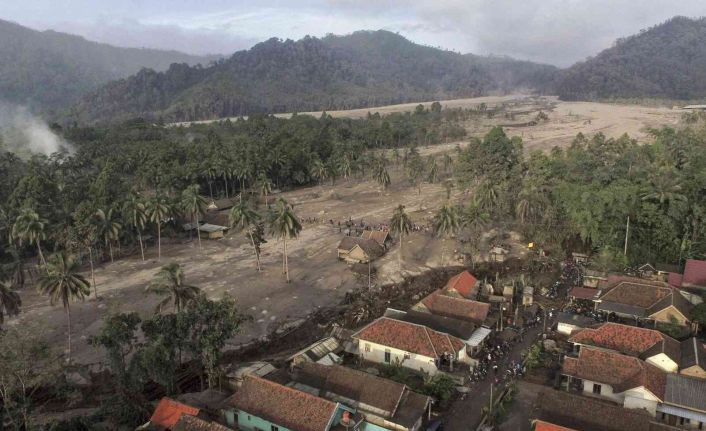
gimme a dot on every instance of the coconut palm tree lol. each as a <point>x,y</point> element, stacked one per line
<point>108,228</point>
<point>63,282</point>
<point>265,188</point>
<point>170,281</point>
<point>242,216</point>
<point>400,224</point>
<point>446,224</point>
<point>10,301</point>
<point>382,177</point>
<point>284,224</point>
<point>134,211</point>
<point>194,204</point>
<point>158,210</point>
<point>318,171</point>
<point>31,228</point>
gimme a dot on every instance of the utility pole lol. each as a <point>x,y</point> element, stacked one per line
<point>490,409</point>
<point>627,230</point>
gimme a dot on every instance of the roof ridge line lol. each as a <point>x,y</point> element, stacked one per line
<point>426,331</point>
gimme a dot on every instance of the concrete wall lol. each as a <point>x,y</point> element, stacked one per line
<point>640,398</point>
<point>694,371</point>
<point>663,362</point>
<point>565,328</point>
<point>606,391</point>
<point>376,354</point>
<point>667,314</point>
<point>249,422</point>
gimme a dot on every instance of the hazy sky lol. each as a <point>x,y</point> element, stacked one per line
<point>552,31</point>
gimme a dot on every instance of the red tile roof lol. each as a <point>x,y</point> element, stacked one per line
<point>629,340</point>
<point>282,405</point>
<point>674,279</point>
<point>615,279</point>
<point>619,371</point>
<point>191,423</point>
<point>464,283</point>
<point>583,293</point>
<point>168,412</point>
<point>457,308</point>
<point>409,337</point>
<point>695,273</point>
<point>546,426</point>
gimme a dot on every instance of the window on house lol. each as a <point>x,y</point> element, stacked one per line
<point>387,356</point>
<point>274,428</point>
<point>367,347</point>
<point>596,389</point>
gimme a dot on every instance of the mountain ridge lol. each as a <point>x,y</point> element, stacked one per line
<point>48,70</point>
<point>365,68</point>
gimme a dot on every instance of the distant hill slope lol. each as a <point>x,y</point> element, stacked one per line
<point>335,72</point>
<point>666,61</point>
<point>50,70</point>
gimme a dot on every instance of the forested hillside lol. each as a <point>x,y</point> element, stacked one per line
<point>50,70</point>
<point>668,60</point>
<point>335,72</point>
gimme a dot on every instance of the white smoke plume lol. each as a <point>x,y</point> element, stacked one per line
<point>23,133</point>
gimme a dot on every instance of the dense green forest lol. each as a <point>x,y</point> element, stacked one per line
<point>48,71</point>
<point>665,61</point>
<point>335,72</point>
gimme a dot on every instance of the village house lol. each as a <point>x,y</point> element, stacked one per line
<point>473,335</point>
<point>592,278</point>
<point>192,423</point>
<point>649,345</point>
<point>382,237</point>
<point>693,358</point>
<point>384,404</point>
<point>684,403</point>
<point>359,250</point>
<point>206,230</point>
<point>620,378</point>
<point>694,276</point>
<point>579,293</point>
<point>263,405</point>
<point>650,301</point>
<point>497,254</point>
<point>463,285</point>
<point>538,425</point>
<point>441,304</point>
<point>390,341</point>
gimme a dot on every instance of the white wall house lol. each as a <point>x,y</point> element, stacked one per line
<point>390,341</point>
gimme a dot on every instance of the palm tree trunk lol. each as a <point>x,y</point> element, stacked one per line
<point>225,183</point>
<point>257,255</point>
<point>159,242</point>
<point>142,247</point>
<point>110,249</point>
<point>198,232</point>
<point>41,255</point>
<point>210,189</point>
<point>93,275</point>
<point>286,261</point>
<point>399,256</point>
<point>68,316</point>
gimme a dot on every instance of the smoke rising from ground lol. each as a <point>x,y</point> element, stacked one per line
<point>23,133</point>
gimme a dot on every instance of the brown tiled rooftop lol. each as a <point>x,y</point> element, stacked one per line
<point>191,423</point>
<point>629,340</point>
<point>619,371</point>
<point>640,295</point>
<point>409,337</point>
<point>283,406</point>
<point>458,308</point>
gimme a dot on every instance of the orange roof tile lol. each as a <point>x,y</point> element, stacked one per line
<point>168,412</point>
<point>409,337</point>
<point>282,405</point>
<point>546,426</point>
<point>464,283</point>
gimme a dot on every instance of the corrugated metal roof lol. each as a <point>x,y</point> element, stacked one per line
<point>478,336</point>
<point>686,392</point>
